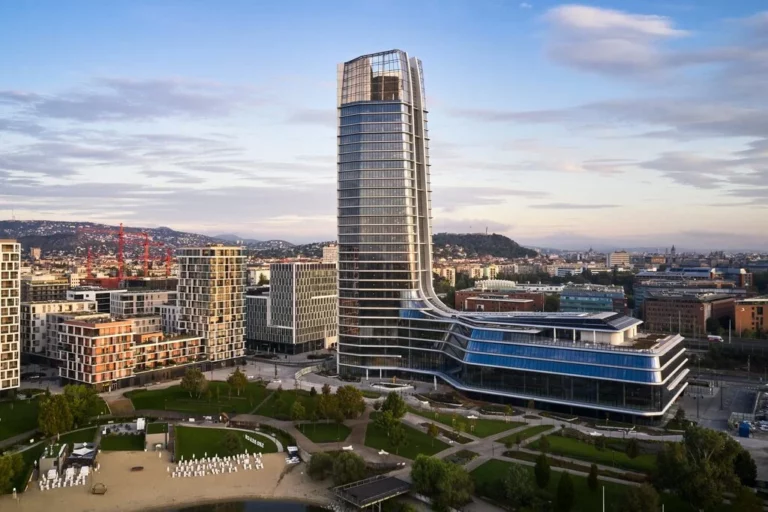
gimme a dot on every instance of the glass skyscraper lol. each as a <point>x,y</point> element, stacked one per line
<point>391,322</point>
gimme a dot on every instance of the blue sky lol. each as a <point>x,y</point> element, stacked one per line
<point>628,123</point>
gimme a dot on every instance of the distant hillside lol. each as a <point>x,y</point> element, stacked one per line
<point>476,245</point>
<point>256,245</point>
<point>63,237</point>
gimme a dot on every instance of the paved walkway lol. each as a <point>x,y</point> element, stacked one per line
<point>16,439</point>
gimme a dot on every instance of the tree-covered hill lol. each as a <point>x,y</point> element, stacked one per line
<point>470,245</point>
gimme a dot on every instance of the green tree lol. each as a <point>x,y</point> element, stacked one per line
<point>632,449</point>
<point>552,303</point>
<point>192,381</point>
<point>542,471</point>
<point>747,501</point>
<point>348,467</point>
<point>231,443</point>
<point>313,392</point>
<point>701,468</point>
<point>519,488</point>
<point>592,481</point>
<point>447,484</point>
<point>297,412</point>
<point>350,401</point>
<point>642,498</point>
<point>565,493</point>
<point>326,406</point>
<point>395,404</point>
<point>238,381</point>
<point>745,468</point>
<point>386,422</point>
<point>397,437</point>
<point>544,444</point>
<point>320,466</point>
<point>377,405</point>
<point>54,416</point>
<point>326,389</point>
<point>507,412</point>
<point>433,432</point>
<point>338,418</point>
<point>11,465</point>
<point>425,473</point>
<point>262,279</point>
<point>82,401</point>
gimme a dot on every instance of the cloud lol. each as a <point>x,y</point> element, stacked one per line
<point>572,206</point>
<point>448,225</point>
<point>121,99</point>
<point>452,198</point>
<point>605,40</point>
<point>525,5</point>
<point>313,116</point>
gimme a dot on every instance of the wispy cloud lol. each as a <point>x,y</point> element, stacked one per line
<point>572,206</point>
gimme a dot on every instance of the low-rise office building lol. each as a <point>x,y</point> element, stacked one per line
<point>498,303</point>
<point>102,296</point>
<point>297,312</point>
<point>686,314</point>
<point>500,289</point>
<point>593,298</point>
<point>620,259</point>
<point>751,316</point>
<point>139,302</point>
<point>38,334</point>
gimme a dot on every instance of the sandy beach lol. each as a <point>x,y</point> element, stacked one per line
<point>154,489</point>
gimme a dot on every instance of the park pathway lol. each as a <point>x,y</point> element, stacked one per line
<point>16,439</point>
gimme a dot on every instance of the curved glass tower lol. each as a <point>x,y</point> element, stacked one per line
<point>390,319</point>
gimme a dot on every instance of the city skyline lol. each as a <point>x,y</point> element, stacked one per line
<point>558,125</point>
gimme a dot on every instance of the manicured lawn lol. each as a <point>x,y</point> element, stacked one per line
<point>279,404</point>
<point>526,433</point>
<point>325,432</point>
<point>581,450</point>
<point>99,408</point>
<point>416,442</point>
<point>157,428</point>
<point>86,435</point>
<point>367,393</point>
<point>198,441</point>
<point>17,417</point>
<point>585,499</point>
<point>483,427</point>
<point>122,443</point>
<point>176,399</point>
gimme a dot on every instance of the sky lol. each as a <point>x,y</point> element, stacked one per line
<point>626,123</point>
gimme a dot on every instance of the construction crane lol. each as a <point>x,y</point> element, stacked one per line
<point>120,233</point>
<point>146,243</point>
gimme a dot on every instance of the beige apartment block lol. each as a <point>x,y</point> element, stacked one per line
<point>97,351</point>
<point>38,327</point>
<point>211,298</point>
<point>10,341</point>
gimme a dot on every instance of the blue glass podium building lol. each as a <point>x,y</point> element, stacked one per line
<point>391,322</point>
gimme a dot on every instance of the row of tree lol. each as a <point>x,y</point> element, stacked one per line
<point>343,467</point>
<point>347,403</point>
<point>195,383</point>
<point>448,485</point>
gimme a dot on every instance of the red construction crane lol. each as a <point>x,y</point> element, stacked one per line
<point>120,244</point>
<point>146,242</point>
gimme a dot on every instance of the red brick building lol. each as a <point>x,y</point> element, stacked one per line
<point>463,295</point>
<point>498,303</point>
<point>686,314</point>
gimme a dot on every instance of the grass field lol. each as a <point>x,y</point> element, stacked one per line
<point>157,428</point>
<point>17,417</point>
<point>416,442</point>
<point>325,432</point>
<point>585,499</point>
<point>279,407</point>
<point>176,399</point>
<point>526,433</point>
<point>367,393</point>
<point>122,443</point>
<point>577,466</point>
<point>99,408</point>
<point>581,450</point>
<point>197,441</point>
<point>483,427</point>
<point>86,435</point>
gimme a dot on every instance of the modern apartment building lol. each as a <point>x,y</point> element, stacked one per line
<point>211,298</point>
<point>139,302</point>
<point>331,254</point>
<point>102,296</point>
<point>448,273</point>
<point>40,287</point>
<point>686,313</point>
<point>169,317</point>
<point>38,326</point>
<point>619,259</point>
<point>751,316</point>
<point>298,311</point>
<point>391,323</point>
<point>593,298</point>
<point>10,338</point>
<point>146,323</point>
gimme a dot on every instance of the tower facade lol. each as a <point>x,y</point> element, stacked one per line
<point>391,323</point>
<point>211,298</point>
<point>10,337</point>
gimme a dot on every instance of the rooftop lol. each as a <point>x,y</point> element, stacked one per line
<point>754,300</point>
<point>62,301</point>
<point>689,297</point>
